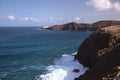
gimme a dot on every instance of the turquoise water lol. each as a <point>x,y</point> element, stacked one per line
<point>26,52</point>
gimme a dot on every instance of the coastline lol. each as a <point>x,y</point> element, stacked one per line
<point>33,51</point>
<point>99,49</point>
<point>83,26</point>
<point>63,69</point>
<point>101,53</point>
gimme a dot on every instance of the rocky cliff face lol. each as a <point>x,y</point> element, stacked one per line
<point>84,26</point>
<point>69,26</point>
<point>101,53</point>
<point>104,23</point>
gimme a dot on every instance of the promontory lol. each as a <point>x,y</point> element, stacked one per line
<point>83,26</point>
<point>101,53</point>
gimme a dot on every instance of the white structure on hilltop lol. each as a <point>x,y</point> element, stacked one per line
<point>45,27</point>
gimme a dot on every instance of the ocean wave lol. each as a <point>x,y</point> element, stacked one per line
<point>3,74</point>
<point>63,69</point>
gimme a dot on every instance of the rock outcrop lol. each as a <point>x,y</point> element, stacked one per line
<point>69,26</point>
<point>84,26</point>
<point>101,53</point>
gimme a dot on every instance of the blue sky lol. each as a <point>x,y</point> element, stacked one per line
<point>51,12</point>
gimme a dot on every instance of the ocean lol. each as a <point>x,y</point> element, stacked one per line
<point>28,53</point>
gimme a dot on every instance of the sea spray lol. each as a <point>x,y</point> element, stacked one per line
<point>26,52</point>
<point>63,69</point>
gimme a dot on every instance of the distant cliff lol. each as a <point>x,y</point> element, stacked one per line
<point>83,26</point>
<point>101,53</point>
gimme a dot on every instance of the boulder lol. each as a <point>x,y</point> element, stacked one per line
<point>76,70</point>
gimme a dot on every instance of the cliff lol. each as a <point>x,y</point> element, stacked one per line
<point>101,53</point>
<point>69,26</point>
<point>84,26</point>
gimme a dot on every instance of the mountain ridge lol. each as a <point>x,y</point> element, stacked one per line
<point>83,26</point>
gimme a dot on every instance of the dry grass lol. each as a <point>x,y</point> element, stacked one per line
<point>111,29</point>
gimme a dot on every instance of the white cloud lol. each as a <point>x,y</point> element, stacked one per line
<point>50,18</point>
<point>77,19</point>
<point>30,19</point>
<point>102,5</point>
<point>11,17</point>
<point>26,18</point>
<point>117,6</point>
<point>35,19</point>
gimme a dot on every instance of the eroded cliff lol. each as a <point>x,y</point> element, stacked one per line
<point>101,53</point>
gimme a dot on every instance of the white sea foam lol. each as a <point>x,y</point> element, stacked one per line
<point>63,69</point>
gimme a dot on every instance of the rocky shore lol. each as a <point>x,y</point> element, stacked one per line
<point>101,53</point>
<point>83,26</point>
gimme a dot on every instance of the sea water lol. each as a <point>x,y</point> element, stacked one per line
<point>28,53</point>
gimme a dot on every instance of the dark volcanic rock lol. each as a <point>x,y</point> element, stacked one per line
<point>90,47</point>
<point>69,26</point>
<point>84,26</point>
<point>76,70</point>
<point>101,53</point>
<point>104,23</point>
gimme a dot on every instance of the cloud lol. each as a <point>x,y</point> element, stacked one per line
<point>30,19</point>
<point>26,18</point>
<point>102,5</point>
<point>11,17</point>
<point>117,6</point>
<point>50,18</point>
<point>34,19</point>
<point>77,19</point>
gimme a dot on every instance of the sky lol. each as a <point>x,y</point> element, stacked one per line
<point>52,12</point>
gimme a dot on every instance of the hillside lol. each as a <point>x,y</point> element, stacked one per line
<point>101,53</point>
<point>84,26</point>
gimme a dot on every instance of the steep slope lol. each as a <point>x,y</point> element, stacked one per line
<point>101,53</point>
